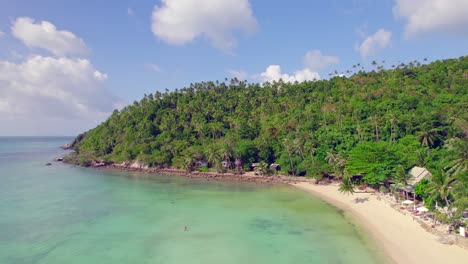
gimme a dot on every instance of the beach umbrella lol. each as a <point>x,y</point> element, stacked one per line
<point>407,202</point>
<point>422,209</point>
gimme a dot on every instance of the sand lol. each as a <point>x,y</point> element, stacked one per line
<point>401,238</point>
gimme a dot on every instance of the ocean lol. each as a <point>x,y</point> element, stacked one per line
<point>67,214</point>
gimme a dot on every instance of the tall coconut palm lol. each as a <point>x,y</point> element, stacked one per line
<point>428,138</point>
<point>188,162</point>
<point>376,119</point>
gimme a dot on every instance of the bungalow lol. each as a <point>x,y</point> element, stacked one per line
<point>201,164</point>
<point>417,174</point>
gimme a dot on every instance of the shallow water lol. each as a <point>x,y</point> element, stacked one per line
<point>65,214</point>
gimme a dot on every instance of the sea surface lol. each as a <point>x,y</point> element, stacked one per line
<point>66,214</point>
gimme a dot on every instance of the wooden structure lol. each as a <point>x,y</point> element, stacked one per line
<point>201,164</point>
<point>275,167</point>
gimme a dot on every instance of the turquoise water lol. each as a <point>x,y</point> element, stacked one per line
<point>65,214</point>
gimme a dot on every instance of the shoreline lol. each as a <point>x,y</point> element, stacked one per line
<point>402,239</point>
<point>248,177</point>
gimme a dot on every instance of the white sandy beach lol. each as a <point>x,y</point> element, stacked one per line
<point>402,238</point>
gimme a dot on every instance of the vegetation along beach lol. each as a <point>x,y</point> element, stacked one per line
<point>234,131</point>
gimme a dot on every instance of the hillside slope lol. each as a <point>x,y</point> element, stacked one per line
<point>375,122</point>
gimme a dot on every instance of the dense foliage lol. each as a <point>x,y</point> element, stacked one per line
<point>369,123</point>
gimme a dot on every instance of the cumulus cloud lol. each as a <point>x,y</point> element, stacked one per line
<point>274,73</point>
<point>315,60</point>
<point>424,16</point>
<point>181,21</point>
<point>47,89</point>
<point>374,43</point>
<point>46,36</point>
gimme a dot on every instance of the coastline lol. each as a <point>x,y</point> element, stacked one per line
<point>402,239</point>
<point>249,177</point>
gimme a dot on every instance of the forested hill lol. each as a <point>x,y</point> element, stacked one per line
<point>375,122</point>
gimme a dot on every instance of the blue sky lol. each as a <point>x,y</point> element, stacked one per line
<point>93,56</point>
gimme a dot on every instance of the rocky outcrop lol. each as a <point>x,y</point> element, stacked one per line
<point>98,163</point>
<point>75,141</point>
<point>138,165</point>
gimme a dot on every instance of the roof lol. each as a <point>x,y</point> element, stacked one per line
<point>274,166</point>
<point>418,174</point>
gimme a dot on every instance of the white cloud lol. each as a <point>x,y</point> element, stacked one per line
<point>153,67</point>
<point>2,33</point>
<point>274,73</point>
<point>374,43</point>
<point>239,74</point>
<point>181,21</point>
<point>130,12</point>
<point>433,15</point>
<point>44,90</point>
<point>315,60</point>
<point>45,35</point>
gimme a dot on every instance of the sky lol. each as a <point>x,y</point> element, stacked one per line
<point>66,65</point>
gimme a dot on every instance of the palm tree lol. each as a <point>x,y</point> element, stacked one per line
<point>460,162</point>
<point>226,152</point>
<point>213,156</point>
<point>428,138</point>
<point>215,127</point>
<point>262,168</point>
<point>289,148</point>
<point>375,118</point>
<point>188,162</point>
<point>337,161</point>
<point>441,185</point>
<point>331,157</point>
<point>422,157</point>
<point>347,186</point>
<point>402,178</point>
<point>392,127</point>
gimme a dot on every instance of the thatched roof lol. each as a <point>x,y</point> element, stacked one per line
<point>418,174</point>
